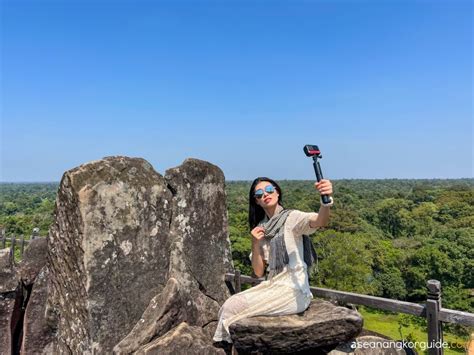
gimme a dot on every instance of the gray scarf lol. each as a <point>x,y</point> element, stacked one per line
<point>274,232</point>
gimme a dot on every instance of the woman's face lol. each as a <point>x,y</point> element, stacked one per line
<point>268,199</point>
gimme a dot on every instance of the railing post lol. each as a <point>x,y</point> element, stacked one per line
<point>435,330</point>
<point>12,249</point>
<point>238,286</point>
<point>3,238</point>
<point>22,245</point>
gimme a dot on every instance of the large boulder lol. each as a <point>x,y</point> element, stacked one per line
<point>7,307</point>
<point>319,328</point>
<point>126,253</point>
<point>199,256</point>
<point>32,275</point>
<point>21,287</point>
<point>33,260</point>
<point>36,332</point>
<point>109,250</point>
<point>8,281</point>
<point>8,286</point>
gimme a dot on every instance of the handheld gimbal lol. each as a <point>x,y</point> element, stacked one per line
<point>313,151</point>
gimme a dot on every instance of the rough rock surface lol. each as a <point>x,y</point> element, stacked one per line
<point>8,284</point>
<point>8,280</point>
<point>183,339</point>
<point>33,261</point>
<point>32,275</point>
<point>165,311</point>
<point>121,231</point>
<point>7,305</point>
<point>24,286</point>
<point>198,232</point>
<point>108,253</point>
<point>199,229</point>
<point>322,325</point>
<point>36,332</point>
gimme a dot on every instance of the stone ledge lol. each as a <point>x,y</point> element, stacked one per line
<point>319,328</point>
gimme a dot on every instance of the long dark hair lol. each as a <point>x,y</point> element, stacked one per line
<point>256,212</point>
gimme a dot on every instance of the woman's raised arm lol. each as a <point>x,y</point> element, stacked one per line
<point>322,218</point>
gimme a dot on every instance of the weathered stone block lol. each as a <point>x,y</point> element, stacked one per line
<point>322,325</point>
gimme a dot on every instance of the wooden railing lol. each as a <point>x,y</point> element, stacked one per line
<point>16,242</point>
<point>431,310</point>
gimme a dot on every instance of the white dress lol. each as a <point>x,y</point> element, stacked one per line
<point>287,293</point>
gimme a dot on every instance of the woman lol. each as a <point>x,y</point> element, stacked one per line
<point>279,239</point>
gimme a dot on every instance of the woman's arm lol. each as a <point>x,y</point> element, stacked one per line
<point>257,258</point>
<point>258,264</point>
<point>321,219</point>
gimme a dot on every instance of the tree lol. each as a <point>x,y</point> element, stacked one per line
<point>345,262</point>
<point>393,217</point>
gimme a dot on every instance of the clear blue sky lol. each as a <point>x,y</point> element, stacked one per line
<point>383,87</point>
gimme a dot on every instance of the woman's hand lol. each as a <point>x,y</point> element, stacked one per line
<point>258,233</point>
<point>324,187</point>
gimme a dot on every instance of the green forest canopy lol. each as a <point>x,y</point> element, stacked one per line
<point>385,237</point>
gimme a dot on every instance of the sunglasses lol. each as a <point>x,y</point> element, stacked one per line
<point>269,189</point>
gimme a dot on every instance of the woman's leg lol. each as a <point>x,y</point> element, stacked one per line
<point>264,299</point>
<point>296,305</point>
<point>232,306</point>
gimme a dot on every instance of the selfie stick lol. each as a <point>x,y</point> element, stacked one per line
<point>313,151</point>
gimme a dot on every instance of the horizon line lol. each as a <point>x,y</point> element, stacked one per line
<point>245,180</point>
